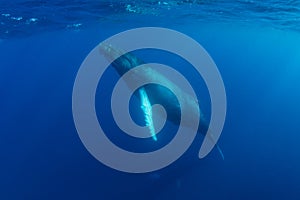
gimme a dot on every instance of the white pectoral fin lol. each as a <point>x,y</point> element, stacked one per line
<point>147,109</point>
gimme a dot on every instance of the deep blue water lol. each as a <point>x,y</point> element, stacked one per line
<point>256,46</point>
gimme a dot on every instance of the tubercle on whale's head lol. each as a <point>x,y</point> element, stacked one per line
<point>121,60</point>
<point>110,52</point>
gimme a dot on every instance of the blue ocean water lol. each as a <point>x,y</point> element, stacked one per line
<point>256,46</point>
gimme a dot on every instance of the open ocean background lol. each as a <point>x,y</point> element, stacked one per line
<point>256,46</point>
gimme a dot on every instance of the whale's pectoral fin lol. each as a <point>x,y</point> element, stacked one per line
<point>147,109</point>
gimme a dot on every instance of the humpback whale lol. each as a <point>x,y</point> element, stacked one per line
<point>152,93</point>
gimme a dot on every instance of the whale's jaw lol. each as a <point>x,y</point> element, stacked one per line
<point>120,60</point>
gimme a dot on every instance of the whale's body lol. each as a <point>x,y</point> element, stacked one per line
<point>157,94</point>
<point>123,62</point>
